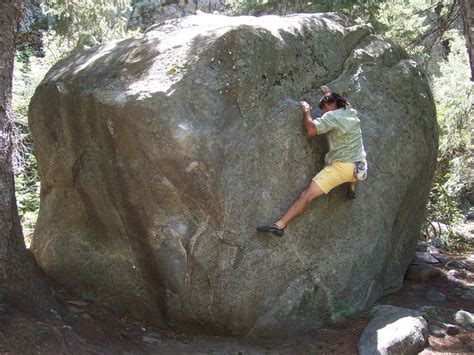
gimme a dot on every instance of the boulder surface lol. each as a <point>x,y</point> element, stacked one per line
<point>159,155</point>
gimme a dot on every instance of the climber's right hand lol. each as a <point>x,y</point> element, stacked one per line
<point>305,106</point>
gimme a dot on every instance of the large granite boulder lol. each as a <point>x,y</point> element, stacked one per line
<point>159,155</point>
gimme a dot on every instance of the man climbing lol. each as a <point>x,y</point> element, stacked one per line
<point>345,161</point>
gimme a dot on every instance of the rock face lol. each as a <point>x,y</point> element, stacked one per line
<point>159,156</point>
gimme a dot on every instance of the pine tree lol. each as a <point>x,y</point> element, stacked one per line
<point>22,285</point>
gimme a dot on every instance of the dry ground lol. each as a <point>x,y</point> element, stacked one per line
<point>89,328</point>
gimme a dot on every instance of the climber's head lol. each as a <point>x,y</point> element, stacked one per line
<point>332,102</point>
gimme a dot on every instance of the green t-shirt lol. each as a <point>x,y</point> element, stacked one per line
<point>342,128</point>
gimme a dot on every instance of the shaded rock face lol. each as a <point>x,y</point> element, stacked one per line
<point>159,156</point>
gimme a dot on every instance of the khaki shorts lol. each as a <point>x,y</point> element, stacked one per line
<point>334,175</point>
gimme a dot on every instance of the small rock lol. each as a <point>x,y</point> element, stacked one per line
<point>455,264</point>
<point>77,303</point>
<point>85,315</point>
<point>458,291</point>
<point>426,258</point>
<point>434,250</point>
<point>148,339</point>
<point>436,296</point>
<point>464,318</point>
<point>450,329</point>
<point>154,335</point>
<point>443,258</point>
<point>454,273</point>
<point>74,309</point>
<point>437,331</point>
<point>394,330</point>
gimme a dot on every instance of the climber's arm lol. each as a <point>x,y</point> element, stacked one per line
<point>308,120</point>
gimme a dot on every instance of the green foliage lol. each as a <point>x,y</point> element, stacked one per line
<point>442,207</point>
<point>453,94</point>
<point>455,241</point>
<point>342,312</point>
<point>367,10</point>
<point>23,56</point>
<point>428,31</point>
<point>28,72</point>
<point>404,22</point>
<point>27,195</point>
<point>87,23</point>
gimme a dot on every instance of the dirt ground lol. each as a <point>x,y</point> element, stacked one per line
<point>89,328</point>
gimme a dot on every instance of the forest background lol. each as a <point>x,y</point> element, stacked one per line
<point>430,31</point>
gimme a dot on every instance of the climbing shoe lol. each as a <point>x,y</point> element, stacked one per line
<point>272,228</point>
<point>351,195</point>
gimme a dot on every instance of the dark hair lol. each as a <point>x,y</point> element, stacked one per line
<point>331,98</point>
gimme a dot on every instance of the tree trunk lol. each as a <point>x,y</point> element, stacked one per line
<point>467,13</point>
<point>22,284</point>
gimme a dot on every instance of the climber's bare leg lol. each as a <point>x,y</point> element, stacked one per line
<point>311,192</point>
<point>352,185</point>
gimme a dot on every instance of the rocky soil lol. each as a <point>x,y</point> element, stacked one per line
<point>440,285</point>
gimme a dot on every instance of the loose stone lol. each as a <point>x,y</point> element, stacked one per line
<point>464,318</point>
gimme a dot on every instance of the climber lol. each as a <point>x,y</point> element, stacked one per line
<point>345,161</point>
